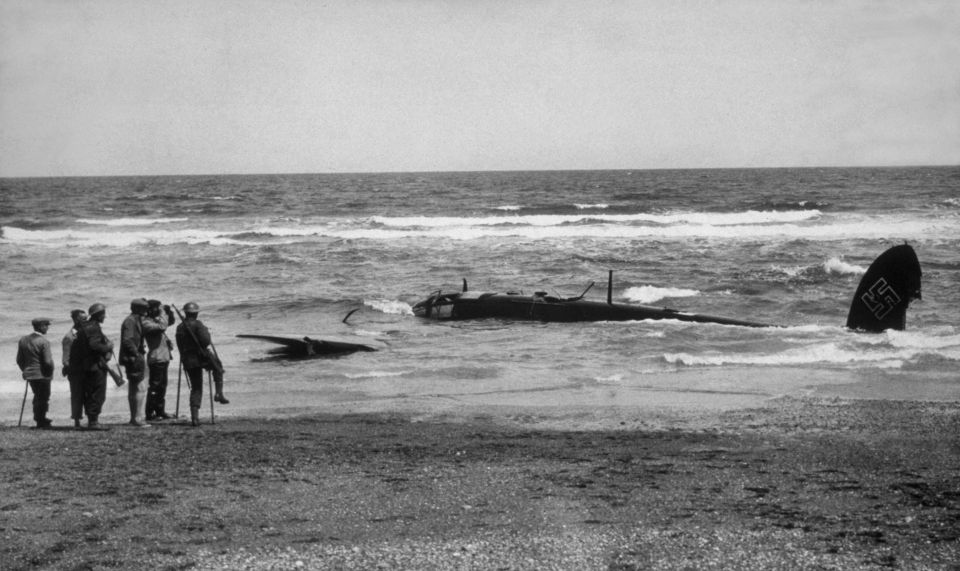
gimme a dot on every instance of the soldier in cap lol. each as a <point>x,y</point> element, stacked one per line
<point>132,353</point>
<point>88,357</point>
<point>36,362</point>
<point>158,357</point>
<point>197,353</point>
<point>75,379</point>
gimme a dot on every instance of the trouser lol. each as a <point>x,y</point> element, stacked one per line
<point>195,376</point>
<point>41,399</point>
<point>94,393</point>
<point>157,391</point>
<point>76,395</point>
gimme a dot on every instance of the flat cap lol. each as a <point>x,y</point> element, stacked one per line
<point>41,321</point>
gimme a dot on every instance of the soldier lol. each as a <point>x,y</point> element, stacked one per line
<point>88,357</point>
<point>75,378</point>
<point>132,358</point>
<point>158,358</point>
<point>36,362</point>
<point>197,353</point>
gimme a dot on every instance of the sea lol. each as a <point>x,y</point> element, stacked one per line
<point>292,255</point>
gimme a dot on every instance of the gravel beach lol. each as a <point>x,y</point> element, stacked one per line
<point>797,483</point>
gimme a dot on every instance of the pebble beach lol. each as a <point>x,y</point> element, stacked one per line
<point>789,483</point>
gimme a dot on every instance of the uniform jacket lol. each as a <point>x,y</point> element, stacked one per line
<point>35,358</point>
<point>193,355</point>
<point>158,345</point>
<point>68,340</point>
<point>90,347</point>
<point>131,338</point>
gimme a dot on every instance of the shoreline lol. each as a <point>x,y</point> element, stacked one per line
<point>794,483</point>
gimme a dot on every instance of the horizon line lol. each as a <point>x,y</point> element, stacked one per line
<point>401,172</point>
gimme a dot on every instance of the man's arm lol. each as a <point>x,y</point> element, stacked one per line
<point>129,344</point>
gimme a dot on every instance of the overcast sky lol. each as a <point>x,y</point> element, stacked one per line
<point>118,87</point>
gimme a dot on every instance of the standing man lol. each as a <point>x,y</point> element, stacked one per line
<point>36,362</point>
<point>75,378</point>
<point>88,357</point>
<point>158,358</point>
<point>132,358</point>
<point>197,354</point>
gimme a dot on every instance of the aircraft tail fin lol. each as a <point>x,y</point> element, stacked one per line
<point>885,291</point>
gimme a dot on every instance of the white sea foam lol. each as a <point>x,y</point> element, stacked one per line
<point>891,349</point>
<point>129,221</point>
<point>120,239</point>
<point>591,206</point>
<point>695,218</point>
<point>508,207</point>
<point>650,294</point>
<point>836,265</point>
<point>828,353</point>
<point>751,226</point>
<point>392,307</point>
<point>376,374</point>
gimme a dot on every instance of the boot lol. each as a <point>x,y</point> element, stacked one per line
<point>219,395</point>
<point>194,416</point>
<point>94,424</point>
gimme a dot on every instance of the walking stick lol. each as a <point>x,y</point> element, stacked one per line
<point>179,378</point>
<point>22,406</point>
<point>210,384</point>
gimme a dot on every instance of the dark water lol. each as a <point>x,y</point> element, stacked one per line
<point>291,254</point>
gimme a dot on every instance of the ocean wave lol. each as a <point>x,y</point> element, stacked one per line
<point>376,374</point>
<point>808,225</point>
<point>749,217</point>
<point>829,353</point>
<point>650,294</point>
<point>391,307</point>
<point>836,265</point>
<point>129,221</point>
<point>889,350</point>
<point>600,206</point>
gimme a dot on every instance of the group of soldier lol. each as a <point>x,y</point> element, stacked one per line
<point>145,353</point>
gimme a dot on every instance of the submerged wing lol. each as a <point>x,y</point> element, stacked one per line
<point>307,347</point>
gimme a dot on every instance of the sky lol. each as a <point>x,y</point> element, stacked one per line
<point>143,87</point>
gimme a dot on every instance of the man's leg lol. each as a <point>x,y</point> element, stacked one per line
<point>95,394</point>
<point>196,394</point>
<point>135,389</point>
<point>152,409</point>
<point>163,377</point>
<point>76,397</point>
<point>218,385</point>
<point>41,402</point>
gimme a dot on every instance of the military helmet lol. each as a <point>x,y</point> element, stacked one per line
<point>96,308</point>
<point>138,303</point>
<point>191,307</point>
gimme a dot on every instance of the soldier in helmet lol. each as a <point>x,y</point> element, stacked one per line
<point>88,358</point>
<point>36,362</point>
<point>132,357</point>
<point>197,353</point>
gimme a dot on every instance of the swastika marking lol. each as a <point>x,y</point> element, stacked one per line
<point>880,299</point>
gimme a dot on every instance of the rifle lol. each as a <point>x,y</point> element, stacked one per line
<point>214,359</point>
<point>116,375</point>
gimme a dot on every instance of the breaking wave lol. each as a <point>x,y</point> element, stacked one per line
<point>650,294</point>
<point>129,221</point>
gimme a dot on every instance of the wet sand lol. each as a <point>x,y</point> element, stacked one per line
<point>795,483</point>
